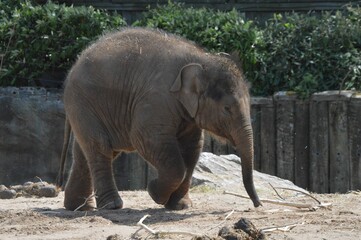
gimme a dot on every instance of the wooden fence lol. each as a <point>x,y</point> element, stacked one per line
<point>315,143</point>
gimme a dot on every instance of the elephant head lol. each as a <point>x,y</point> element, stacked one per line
<point>216,96</point>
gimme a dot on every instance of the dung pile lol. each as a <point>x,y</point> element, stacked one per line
<point>241,230</point>
<point>39,189</point>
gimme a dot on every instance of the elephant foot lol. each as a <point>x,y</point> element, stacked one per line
<point>178,203</point>
<point>80,204</point>
<point>111,200</point>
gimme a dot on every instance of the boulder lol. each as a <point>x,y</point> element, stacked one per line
<point>224,173</point>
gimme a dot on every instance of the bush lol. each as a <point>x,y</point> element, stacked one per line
<point>307,53</point>
<point>214,30</point>
<point>304,53</point>
<point>8,6</point>
<point>40,39</point>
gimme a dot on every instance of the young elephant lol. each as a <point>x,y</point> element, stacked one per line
<point>152,92</point>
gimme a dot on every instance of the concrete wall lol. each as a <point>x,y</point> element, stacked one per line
<point>31,134</point>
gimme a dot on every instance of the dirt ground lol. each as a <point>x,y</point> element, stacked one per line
<point>45,218</point>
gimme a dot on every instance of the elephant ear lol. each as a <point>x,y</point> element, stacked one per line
<point>188,86</point>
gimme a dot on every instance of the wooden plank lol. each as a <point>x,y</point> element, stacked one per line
<point>256,125</point>
<point>231,149</point>
<point>138,170</point>
<point>121,173</point>
<point>219,147</point>
<point>339,153</point>
<point>207,145</point>
<point>302,143</point>
<point>285,140</point>
<point>319,148</point>
<point>268,138</point>
<point>130,172</point>
<point>354,131</point>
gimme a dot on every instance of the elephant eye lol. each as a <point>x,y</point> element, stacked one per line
<point>228,110</point>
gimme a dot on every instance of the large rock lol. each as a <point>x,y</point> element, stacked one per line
<point>225,173</point>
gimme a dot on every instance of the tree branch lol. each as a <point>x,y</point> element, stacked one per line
<point>160,232</point>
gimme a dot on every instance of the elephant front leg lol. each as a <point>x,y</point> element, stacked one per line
<point>79,190</point>
<point>191,146</point>
<point>166,158</point>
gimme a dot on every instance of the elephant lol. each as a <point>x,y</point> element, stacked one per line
<point>149,91</point>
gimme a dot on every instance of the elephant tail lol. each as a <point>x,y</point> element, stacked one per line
<point>67,132</point>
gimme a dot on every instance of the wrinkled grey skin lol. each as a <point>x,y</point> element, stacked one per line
<point>152,92</point>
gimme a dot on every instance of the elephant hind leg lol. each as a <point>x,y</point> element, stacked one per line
<point>78,190</point>
<point>100,165</point>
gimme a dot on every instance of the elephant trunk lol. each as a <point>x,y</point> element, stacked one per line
<point>243,139</point>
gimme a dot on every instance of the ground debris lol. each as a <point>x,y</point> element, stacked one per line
<point>7,194</point>
<point>114,237</point>
<point>241,230</point>
<point>28,189</point>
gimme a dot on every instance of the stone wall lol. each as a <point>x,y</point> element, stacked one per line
<point>31,134</point>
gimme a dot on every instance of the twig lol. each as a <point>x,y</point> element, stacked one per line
<point>303,192</point>
<point>159,232</point>
<point>284,228</point>
<point>2,56</point>
<point>274,189</point>
<point>343,81</point>
<point>86,200</point>
<point>40,180</point>
<point>105,206</point>
<point>284,203</point>
<point>49,212</point>
<point>225,219</point>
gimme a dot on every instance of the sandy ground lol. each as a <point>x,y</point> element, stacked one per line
<point>45,218</point>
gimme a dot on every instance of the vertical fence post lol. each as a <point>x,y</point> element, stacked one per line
<point>354,131</point>
<point>130,172</point>
<point>256,126</point>
<point>268,136</point>
<point>330,163</point>
<point>339,142</point>
<point>285,137</point>
<point>319,143</point>
<point>302,115</point>
<point>207,144</point>
<point>262,114</point>
<point>219,147</point>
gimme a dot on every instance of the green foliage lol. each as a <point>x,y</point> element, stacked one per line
<point>215,30</point>
<point>308,53</point>
<point>38,39</point>
<point>7,7</point>
<point>299,52</point>
<point>304,53</point>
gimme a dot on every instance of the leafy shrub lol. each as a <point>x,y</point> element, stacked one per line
<point>215,30</point>
<point>7,7</point>
<point>39,39</point>
<point>296,52</point>
<point>307,53</point>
